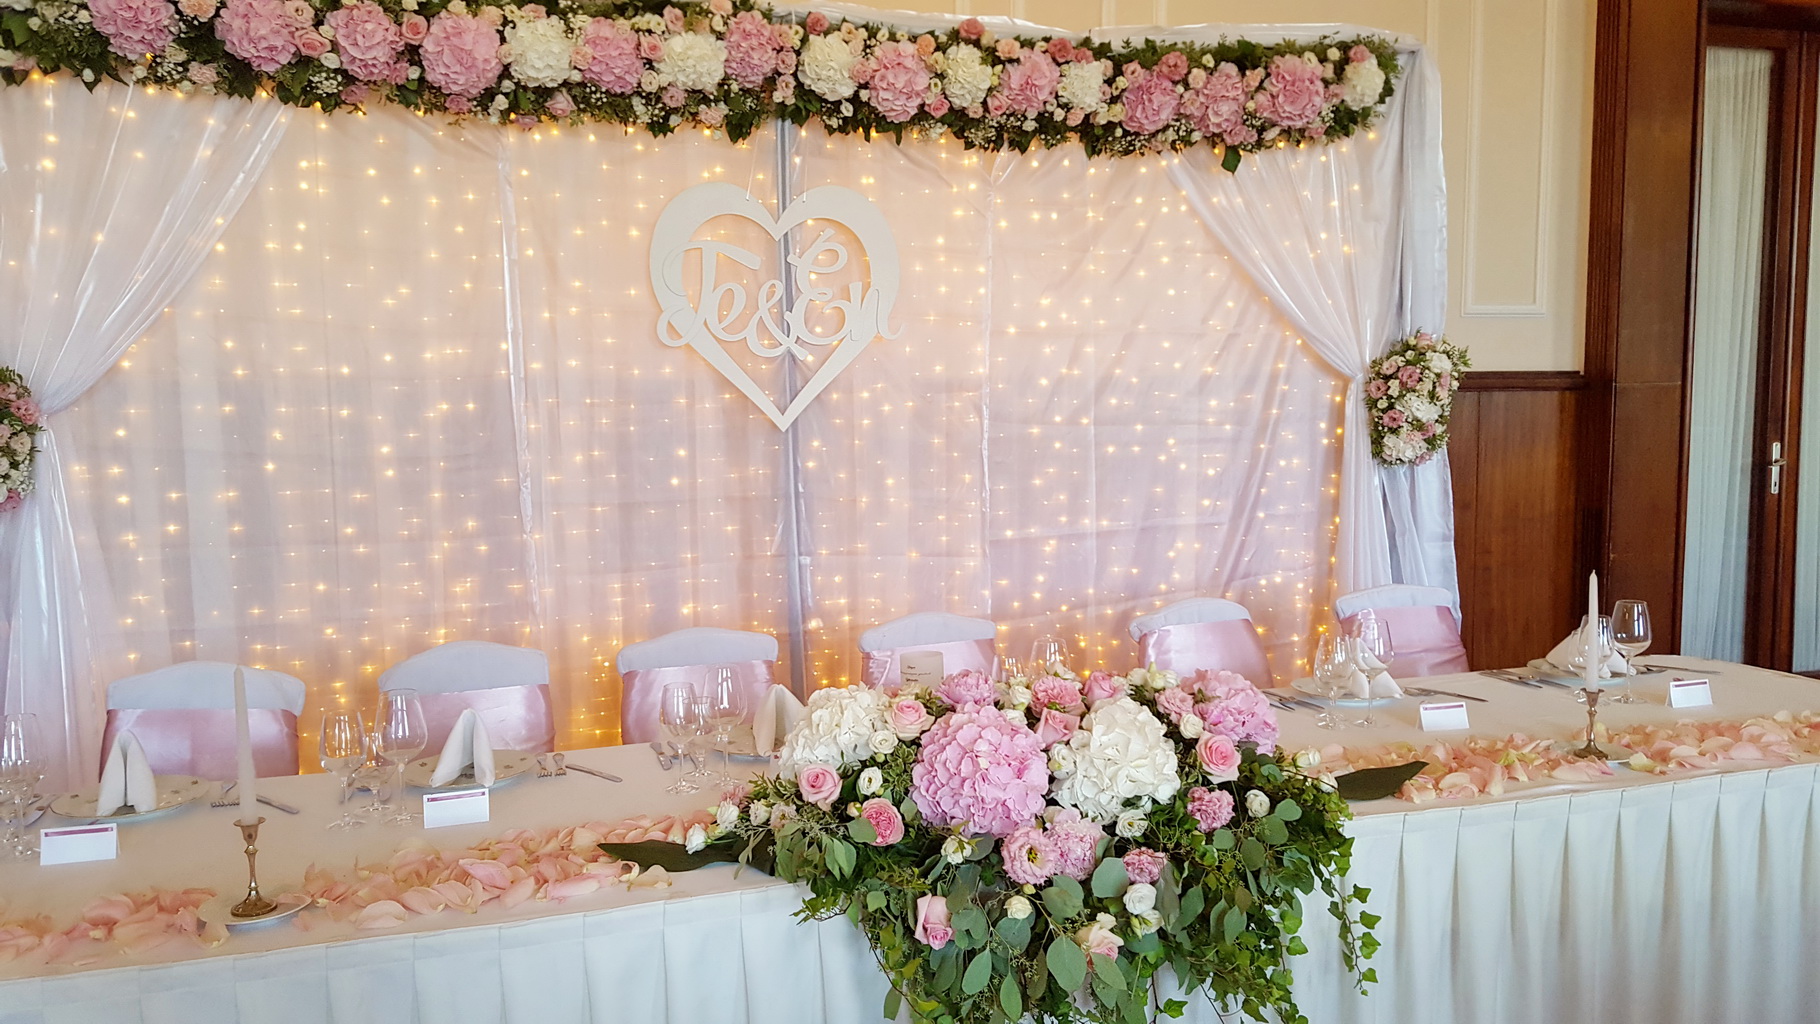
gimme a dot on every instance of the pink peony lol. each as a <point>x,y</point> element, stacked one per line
<point>261,32</point>
<point>1076,842</point>
<point>751,49</point>
<point>1175,702</point>
<point>311,43</point>
<point>816,23</point>
<point>414,28</point>
<point>1144,865</point>
<point>884,819</point>
<point>909,718</point>
<point>13,500</point>
<point>1103,686</point>
<point>1056,692</point>
<point>981,771</point>
<point>1054,727</point>
<point>1236,709</point>
<point>1172,65</point>
<point>1216,106</point>
<point>26,409</point>
<point>1150,104</point>
<point>1029,85</point>
<point>368,41</point>
<point>560,105</point>
<point>819,784</point>
<point>972,29</point>
<point>932,927</point>
<point>1210,808</point>
<point>966,687</point>
<point>1219,757</point>
<point>898,79</point>
<point>1294,94</point>
<point>1029,856</point>
<point>461,55</point>
<point>614,63</point>
<point>134,28</point>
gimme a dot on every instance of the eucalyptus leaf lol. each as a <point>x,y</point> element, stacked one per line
<point>1067,964</point>
<point>1252,853</point>
<point>1273,831</point>
<point>1287,809</point>
<point>862,831</point>
<point>1061,901</point>
<point>1107,970</point>
<point>1010,998</point>
<point>1109,879</point>
<point>1192,902</point>
<point>979,973</point>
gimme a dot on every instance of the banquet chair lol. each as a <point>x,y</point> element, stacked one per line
<point>1202,634</point>
<point>1424,629</point>
<point>688,656</point>
<point>508,688</point>
<point>964,643</point>
<point>183,717</point>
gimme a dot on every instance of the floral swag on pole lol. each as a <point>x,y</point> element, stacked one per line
<point>723,64</point>
<point>20,422</point>
<point>1409,397</point>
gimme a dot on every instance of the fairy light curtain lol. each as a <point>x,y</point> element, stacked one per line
<point>415,395</point>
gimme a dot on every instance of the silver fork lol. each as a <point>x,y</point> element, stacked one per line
<point>224,800</point>
<point>543,766</point>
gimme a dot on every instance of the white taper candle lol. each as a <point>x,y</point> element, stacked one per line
<point>243,746</point>
<point>1595,659</point>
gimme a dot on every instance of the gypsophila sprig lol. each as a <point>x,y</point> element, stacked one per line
<point>20,422</point>
<point>1409,398</point>
<point>726,65</point>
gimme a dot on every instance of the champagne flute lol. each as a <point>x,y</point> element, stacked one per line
<point>676,721</point>
<point>402,736</point>
<point>344,749</point>
<point>1331,669</point>
<point>1047,654</point>
<point>727,708</point>
<point>21,769</point>
<point>1630,634</point>
<point>1372,652</point>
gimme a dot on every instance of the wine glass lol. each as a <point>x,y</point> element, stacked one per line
<point>1332,670</point>
<point>344,749</point>
<point>1602,648</point>
<point>677,722</point>
<point>1047,654</point>
<point>1372,651</point>
<point>1631,636</point>
<point>402,736</point>
<point>726,709</point>
<point>695,749</point>
<point>1009,669</point>
<point>21,769</point>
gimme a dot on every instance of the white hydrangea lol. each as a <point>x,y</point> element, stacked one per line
<point>826,67</point>
<point>836,729</point>
<point>1081,87</point>
<point>1439,363</point>
<point>693,60</point>
<point>966,77</point>
<point>1402,448</point>
<point>541,52</point>
<point>1121,752</point>
<point>1362,84</point>
<point>1421,409</point>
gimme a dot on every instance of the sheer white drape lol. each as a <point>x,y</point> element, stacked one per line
<point>110,203</point>
<point>1728,272</point>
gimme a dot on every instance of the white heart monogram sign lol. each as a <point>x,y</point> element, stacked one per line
<point>775,321</point>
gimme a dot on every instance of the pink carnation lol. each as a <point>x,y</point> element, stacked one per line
<point>1172,65</point>
<point>26,409</point>
<point>1144,865</point>
<point>981,771</point>
<point>751,49</point>
<point>1056,692</point>
<point>368,41</point>
<point>134,28</point>
<point>898,80</point>
<point>1294,94</point>
<point>1216,106</point>
<point>1175,702</point>
<point>1076,842</point>
<point>1060,50</point>
<point>461,55</point>
<point>1029,856</point>
<point>615,65</point>
<point>816,24</point>
<point>1029,85</point>
<point>884,819</point>
<point>970,30</point>
<point>1210,808</point>
<point>967,687</point>
<point>261,32</point>
<point>1150,104</point>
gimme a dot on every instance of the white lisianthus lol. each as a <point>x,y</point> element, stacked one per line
<point>1140,898</point>
<point>1256,803</point>
<point>727,814</point>
<point>883,741</point>
<point>871,782</point>
<point>1362,84</point>
<point>781,815</point>
<point>966,77</point>
<point>542,52</point>
<point>1017,908</point>
<point>826,67</point>
<point>695,839</point>
<point>693,60</point>
<point>1083,87</point>
<point>1121,752</point>
<point>836,729</point>
<point>1191,726</point>
<point>1131,824</point>
<point>956,848</point>
<point>1147,922</point>
<point>759,813</point>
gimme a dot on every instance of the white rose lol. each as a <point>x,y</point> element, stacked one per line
<point>758,813</point>
<point>1140,897</point>
<point>883,741</point>
<point>1256,803</point>
<point>1439,363</point>
<point>696,838</point>
<point>693,60</point>
<point>1362,84</point>
<point>871,782</point>
<point>1308,758</point>
<point>1014,696</point>
<point>727,814</point>
<point>1017,908</point>
<point>966,77</point>
<point>826,67</point>
<point>1131,824</point>
<point>1192,726</point>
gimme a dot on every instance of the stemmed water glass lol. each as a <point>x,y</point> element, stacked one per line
<point>1009,669</point>
<point>344,750</point>
<point>1630,634</point>
<point>726,709</point>
<point>1371,652</point>
<point>401,737</point>
<point>21,769</point>
<point>697,747</point>
<point>677,721</point>
<point>1331,669</point>
<point>1047,654</point>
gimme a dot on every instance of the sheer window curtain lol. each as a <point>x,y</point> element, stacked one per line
<point>112,201</point>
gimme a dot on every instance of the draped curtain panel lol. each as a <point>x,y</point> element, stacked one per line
<point>415,393</point>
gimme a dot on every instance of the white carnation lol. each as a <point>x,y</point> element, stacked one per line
<point>1362,84</point>
<point>693,60</point>
<point>1082,87</point>
<point>836,729</point>
<point>966,77</point>
<point>541,52</point>
<point>826,67</point>
<point>1120,753</point>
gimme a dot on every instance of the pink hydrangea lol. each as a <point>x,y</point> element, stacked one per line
<point>1144,865</point>
<point>1029,856</point>
<point>1216,105</point>
<point>461,55</point>
<point>751,49</point>
<point>898,80</point>
<point>368,41</point>
<point>1076,842</point>
<point>1236,709</point>
<point>981,771</point>
<point>1175,702</point>
<point>1294,94</point>
<point>1150,104</point>
<point>1210,808</point>
<point>967,687</point>
<point>1029,85</point>
<point>1056,692</point>
<point>614,63</point>
<point>884,819</point>
<point>261,32</point>
<point>134,28</point>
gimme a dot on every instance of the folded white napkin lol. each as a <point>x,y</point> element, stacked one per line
<point>467,744</point>
<point>777,714</point>
<point>1563,654</point>
<point>126,778</point>
<point>1370,679</point>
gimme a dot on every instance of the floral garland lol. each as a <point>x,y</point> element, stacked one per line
<point>20,422</point>
<point>1410,398</point>
<point>1044,846</point>
<point>724,64</point>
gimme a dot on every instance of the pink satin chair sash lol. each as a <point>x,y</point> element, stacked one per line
<point>644,688</point>
<point>201,741</point>
<point>1426,640</point>
<point>516,717</point>
<point>881,667</point>
<point>1232,646</point>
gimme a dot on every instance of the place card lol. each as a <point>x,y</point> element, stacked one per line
<point>920,668</point>
<point>1444,716</point>
<point>78,843</point>
<point>1689,693</point>
<point>456,807</point>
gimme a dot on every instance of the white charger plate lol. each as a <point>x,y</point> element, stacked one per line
<point>174,791</point>
<point>1310,687</point>
<point>221,908</point>
<point>507,765</point>
<point>1560,676</point>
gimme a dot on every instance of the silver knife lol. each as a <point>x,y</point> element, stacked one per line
<point>286,808</point>
<point>590,771</point>
<point>1426,691</point>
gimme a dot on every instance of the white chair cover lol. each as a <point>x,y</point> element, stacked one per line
<point>507,687</point>
<point>1392,595</point>
<point>1182,613</point>
<point>686,656</point>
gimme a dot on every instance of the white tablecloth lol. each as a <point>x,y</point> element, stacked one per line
<point>1637,899</point>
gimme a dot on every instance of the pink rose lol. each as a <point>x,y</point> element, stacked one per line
<point>909,718</point>
<point>925,46</point>
<point>1172,65</point>
<point>970,30</point>
<point>721,7</point>
<point>1294,94</point>
<point>1007,49</point>
<point>996,104</point>
<point>1359,54</point>
<point>932,928</point>
<point>713,116</point>
<point>884,820</point>
<point>1102,686</point>
<point>198,9</point>
<point>13,500</point>
<point>1219,756</point>
<point>368,41</point>
<point>751,49</point>
<point>1056,692</point>
<point>650,47</point>
<point>819,784</point>
<point>673,96</point>
<point>414,27</point>
<point>356,94</point>
<point>614,63</point>
<point>898,80</point>
<point>673,19</point>
<point>1028,856</point>
<point>1393,419</point>
<point>1060,50</point>
<point>1029,85</point>
<point>26,409</point>
<point>1445,383</point>
<point>204,75</point>
<point>1175,702</point>
<point>461,55</point>
<point>560,105</point>
<point>311,43</point>
<point>1144,865</point>
<point>134,28</point>
<point>816,24</point>
<point>261,32</point>
<point>1216,106</point>
<point>1210,808</point>
<point>966,687</point>
<point>936,105</point>
<point>1076,842</point>
<point>1054,727</point>
<point>1151,104</point>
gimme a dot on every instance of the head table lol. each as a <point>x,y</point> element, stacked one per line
<point>1690,897</point>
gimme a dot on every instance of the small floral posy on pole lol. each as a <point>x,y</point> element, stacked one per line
<point>1409,397</point>
<point>20,422</point>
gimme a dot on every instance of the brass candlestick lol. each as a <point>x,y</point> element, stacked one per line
<point>1591,749</point>
<point>254,905</point>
